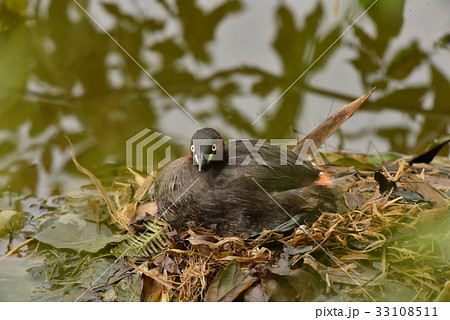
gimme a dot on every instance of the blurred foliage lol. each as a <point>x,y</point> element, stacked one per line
<point>379,68</point>
<point>62,75</point>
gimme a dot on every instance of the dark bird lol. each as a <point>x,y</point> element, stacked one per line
<point>241,187</point>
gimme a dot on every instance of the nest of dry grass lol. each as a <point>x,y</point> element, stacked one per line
<point>383,247</point>
<point>380,246</point>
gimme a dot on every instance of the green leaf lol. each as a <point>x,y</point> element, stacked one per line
<point>71,231</point>
<point>10,221</point>
<point>350,162</point>
<point>383,158</point>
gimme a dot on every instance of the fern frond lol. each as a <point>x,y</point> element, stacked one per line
<point>152,241</point>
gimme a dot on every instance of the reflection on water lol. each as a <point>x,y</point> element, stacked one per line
<point>17,284</point>
<point>228,64</point>
<point>225,63</point>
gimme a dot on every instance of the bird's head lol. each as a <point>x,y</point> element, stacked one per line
<point>207,145</point>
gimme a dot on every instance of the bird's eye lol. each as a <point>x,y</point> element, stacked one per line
<point>192,148</point>
<point>214,147</point>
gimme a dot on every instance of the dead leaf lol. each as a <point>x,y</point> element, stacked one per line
<point>166,263</point>
<point>441,183</point>
<point>320,134</point>
<point>256,293</point>
<point>229,283</point>
<point>151,289</point>
<point>375,196</point>
<point>353,200</point>
<point>202,239</point>
<point>147,208</point>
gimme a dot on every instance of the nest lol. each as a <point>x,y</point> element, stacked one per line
<point>383,247</point>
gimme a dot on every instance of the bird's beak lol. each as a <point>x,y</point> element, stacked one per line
<point>202,161</point>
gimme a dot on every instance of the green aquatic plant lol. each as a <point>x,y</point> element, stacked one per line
<point>146,243</point>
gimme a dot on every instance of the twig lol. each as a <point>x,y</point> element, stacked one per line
<point>17,248</point>
<point>154,277</point>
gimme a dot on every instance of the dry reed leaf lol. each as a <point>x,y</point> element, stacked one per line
<point>137,177</point>
<point>153,273</point>
<point>143,188</point>
<point>321,133</point>
<point>419,186</point>
<point>109,202</point>
<point>126,214</point>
